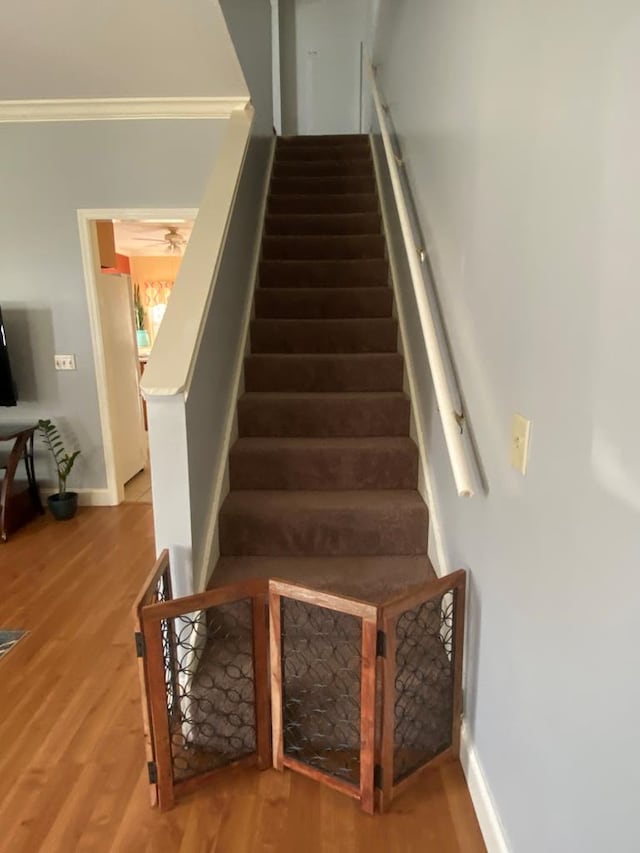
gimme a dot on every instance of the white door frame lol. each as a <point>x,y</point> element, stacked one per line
<point>115,490</point>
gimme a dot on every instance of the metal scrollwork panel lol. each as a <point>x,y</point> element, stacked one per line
<point>321,688</point>
<point>424,684</point>
<point>210,687</point>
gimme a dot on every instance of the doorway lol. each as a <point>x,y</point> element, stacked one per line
<point>320,43</point>
<point>131,260</point>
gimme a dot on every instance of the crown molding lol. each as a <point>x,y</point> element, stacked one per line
<point>109,109</point>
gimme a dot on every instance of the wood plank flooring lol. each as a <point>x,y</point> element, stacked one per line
<point>72,774</point>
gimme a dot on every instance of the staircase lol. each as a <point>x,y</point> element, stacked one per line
<point>323,475</point>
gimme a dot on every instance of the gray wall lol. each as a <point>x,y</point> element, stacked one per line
<point>520,129</point>
<point>288,76</point>
<point>249,25</point>
<point>47,172</point>
<point>119,49</point>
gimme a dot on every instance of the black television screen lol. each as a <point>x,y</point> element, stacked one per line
<point>8,394</point>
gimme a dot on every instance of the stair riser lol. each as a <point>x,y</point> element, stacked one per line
<point>323,203</point>
<point>325,154</point>
<point>327,303</point>
<point>325,168</point>
<point>318,417</point>
<point>318,336</point>
<point>325,223</point>
<point>336,533</point>
<point>319,469</point>
<point>349,273</point>
<point>310,247</point>
<point>330,373</point>
<point>345,184</point>
<point>322,140</point>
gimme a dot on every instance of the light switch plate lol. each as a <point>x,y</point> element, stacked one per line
<point>520,435</point>
<point>65,362</point>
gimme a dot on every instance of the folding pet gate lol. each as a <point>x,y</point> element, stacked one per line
<point>361,697</point>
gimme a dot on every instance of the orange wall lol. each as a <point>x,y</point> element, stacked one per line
<point>148,269</point>
<point>155,277</point>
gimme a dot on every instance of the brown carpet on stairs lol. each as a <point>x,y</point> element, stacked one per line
<point>324,474</point>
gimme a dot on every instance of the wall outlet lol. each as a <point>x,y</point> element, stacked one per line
<point>65,362</point>
<point>520,434</point>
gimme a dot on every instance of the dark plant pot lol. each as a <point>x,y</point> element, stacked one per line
<point>64,506</point>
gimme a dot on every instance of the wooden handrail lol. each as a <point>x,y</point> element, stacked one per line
<point>439,360</point>
<point>172,361</point>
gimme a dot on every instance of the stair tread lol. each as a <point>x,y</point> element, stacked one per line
<point>313,185</point>
<point>313,321</point>
<point>326,356</point>
<point>364,443</point>
<point>317,463</point>
<point>321,153</point>
<point>266,501</point>
<point>324,372</point>
<point>323,413</point>
<point>325,395</point>
<point>322,224</point>
<point>312,138</point>
<point>348,216</point>
<point>333,272</point>
<point>311,302</point>
<point>328,522</point>
<point>351,334</point>
<point>279,239</point>
<point>327,195</point>
<point>368,578</point>
<point>330,167</point>
<point>328,202</point>
<point>312,247</point>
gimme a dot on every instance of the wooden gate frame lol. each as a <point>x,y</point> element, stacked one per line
<point>378,665</point>
<point>151,617</point>
<point>368,615</point>
<point>147,596</point>
<point>454,583</point>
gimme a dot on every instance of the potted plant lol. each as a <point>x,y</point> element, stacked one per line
<point>64,504</point>
<point>142,335</point>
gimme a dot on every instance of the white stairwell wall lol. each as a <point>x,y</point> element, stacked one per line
<point>519,129</point>
<point>195,371</point>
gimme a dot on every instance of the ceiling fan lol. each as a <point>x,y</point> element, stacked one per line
<point>173,240</point>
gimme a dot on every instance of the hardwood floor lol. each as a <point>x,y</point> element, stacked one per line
<point>72,774</point>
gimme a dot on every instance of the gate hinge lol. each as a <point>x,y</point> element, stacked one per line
<point>139,644</point>
<point>381,644</point>
<point>152,769</point>
<point>377,776</point>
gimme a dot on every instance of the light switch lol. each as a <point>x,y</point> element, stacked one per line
<point>520,434</point>
<point>65,362</point>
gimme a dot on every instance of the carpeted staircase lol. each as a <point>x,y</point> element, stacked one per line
<point>323,475</point>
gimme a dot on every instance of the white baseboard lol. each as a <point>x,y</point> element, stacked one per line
<point>490,825</point>
<point>221,486</point>
<point>86,497</point>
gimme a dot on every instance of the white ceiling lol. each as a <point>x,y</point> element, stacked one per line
<point>136,239</point>
<point>117,49</point>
